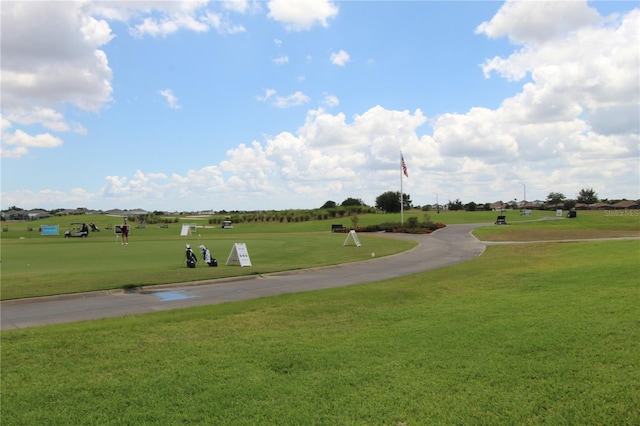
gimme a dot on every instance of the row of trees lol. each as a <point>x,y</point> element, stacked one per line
<point>349,202</point>
<point>390,202</point>
<point>585,196</point>
<point>287,216</point>
<point>554,199</point>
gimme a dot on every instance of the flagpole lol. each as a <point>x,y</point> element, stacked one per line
<point>401,193</point>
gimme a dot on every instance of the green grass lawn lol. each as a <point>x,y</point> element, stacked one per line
<point>35,265</point>
<point>593,224</point>
<point>540,333</point>
<point>19,229</point>
<point>44,266</point>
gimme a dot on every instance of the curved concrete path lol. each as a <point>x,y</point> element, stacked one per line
<point>447,246</point>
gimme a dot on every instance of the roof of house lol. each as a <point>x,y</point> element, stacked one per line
<point>626,204</point>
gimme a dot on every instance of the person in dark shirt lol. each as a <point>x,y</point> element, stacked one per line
<point>125,232</point>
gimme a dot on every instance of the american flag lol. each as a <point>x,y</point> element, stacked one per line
<point>404,166</point>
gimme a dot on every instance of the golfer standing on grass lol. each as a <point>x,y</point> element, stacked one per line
<point>125,232</point>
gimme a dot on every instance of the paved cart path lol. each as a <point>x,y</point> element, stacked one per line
<point>447,246</point>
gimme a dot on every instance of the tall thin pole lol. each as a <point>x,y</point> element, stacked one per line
<point>401,193</point>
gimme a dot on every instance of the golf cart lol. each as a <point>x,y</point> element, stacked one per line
<point>77,229</point>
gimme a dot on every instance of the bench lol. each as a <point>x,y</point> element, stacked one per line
<point>501,220</point>
<point>337,228</point>
<point>164,225</point>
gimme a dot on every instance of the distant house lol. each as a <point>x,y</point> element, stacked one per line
<point>594,206</point>
<point>70,212</point>
<point>133,212</point>
<point>15,215</point>
<point>25,215</point>
<point>626,205</point>
<point>531,205</point>
<point>38,214</point>
<point>136,212</point>
<point>508,205</point>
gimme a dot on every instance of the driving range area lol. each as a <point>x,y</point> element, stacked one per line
<point>533,322</point>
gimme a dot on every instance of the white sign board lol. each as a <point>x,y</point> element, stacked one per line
<point>239,255</point>
<point>352,236</point>
<point>187,229</point>
<point>559,213</point>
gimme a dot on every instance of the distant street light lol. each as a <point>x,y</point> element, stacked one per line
<point>524,189</point>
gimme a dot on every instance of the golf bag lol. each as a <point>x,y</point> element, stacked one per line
<point>191,257</point>
<point>206,255</point>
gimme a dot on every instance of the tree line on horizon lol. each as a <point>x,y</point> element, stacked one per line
<point>388,202</point>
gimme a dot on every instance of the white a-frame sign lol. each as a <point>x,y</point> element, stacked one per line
<point>239,255</point>
<point>352,236</point>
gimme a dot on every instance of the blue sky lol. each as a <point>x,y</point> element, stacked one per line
<point>287,104</point>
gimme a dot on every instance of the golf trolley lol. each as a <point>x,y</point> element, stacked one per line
<point>206,255</point>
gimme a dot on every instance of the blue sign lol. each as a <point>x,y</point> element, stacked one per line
<point>49,230</point>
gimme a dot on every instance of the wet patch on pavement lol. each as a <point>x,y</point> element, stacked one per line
<point>167,296</point>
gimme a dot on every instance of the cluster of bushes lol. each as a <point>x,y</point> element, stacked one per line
<point>287,216</point>
<point>153,219</point>
<point>411,227</point>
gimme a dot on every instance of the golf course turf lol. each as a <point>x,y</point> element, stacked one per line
<point>538,333</point>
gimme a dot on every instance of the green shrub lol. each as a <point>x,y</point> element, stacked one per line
<point>411,227</point>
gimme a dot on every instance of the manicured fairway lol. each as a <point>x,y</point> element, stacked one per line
<point>526,334</point>
<point>37,267</point>
<point>34,265</point>
<point>593,224</point>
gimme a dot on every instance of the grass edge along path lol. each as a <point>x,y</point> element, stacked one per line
<point>528,334</point>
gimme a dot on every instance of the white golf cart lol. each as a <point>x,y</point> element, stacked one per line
<point>77,229</point>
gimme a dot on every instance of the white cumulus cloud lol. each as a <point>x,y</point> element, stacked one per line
<point>302,15</point>
<point>340,58</point>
